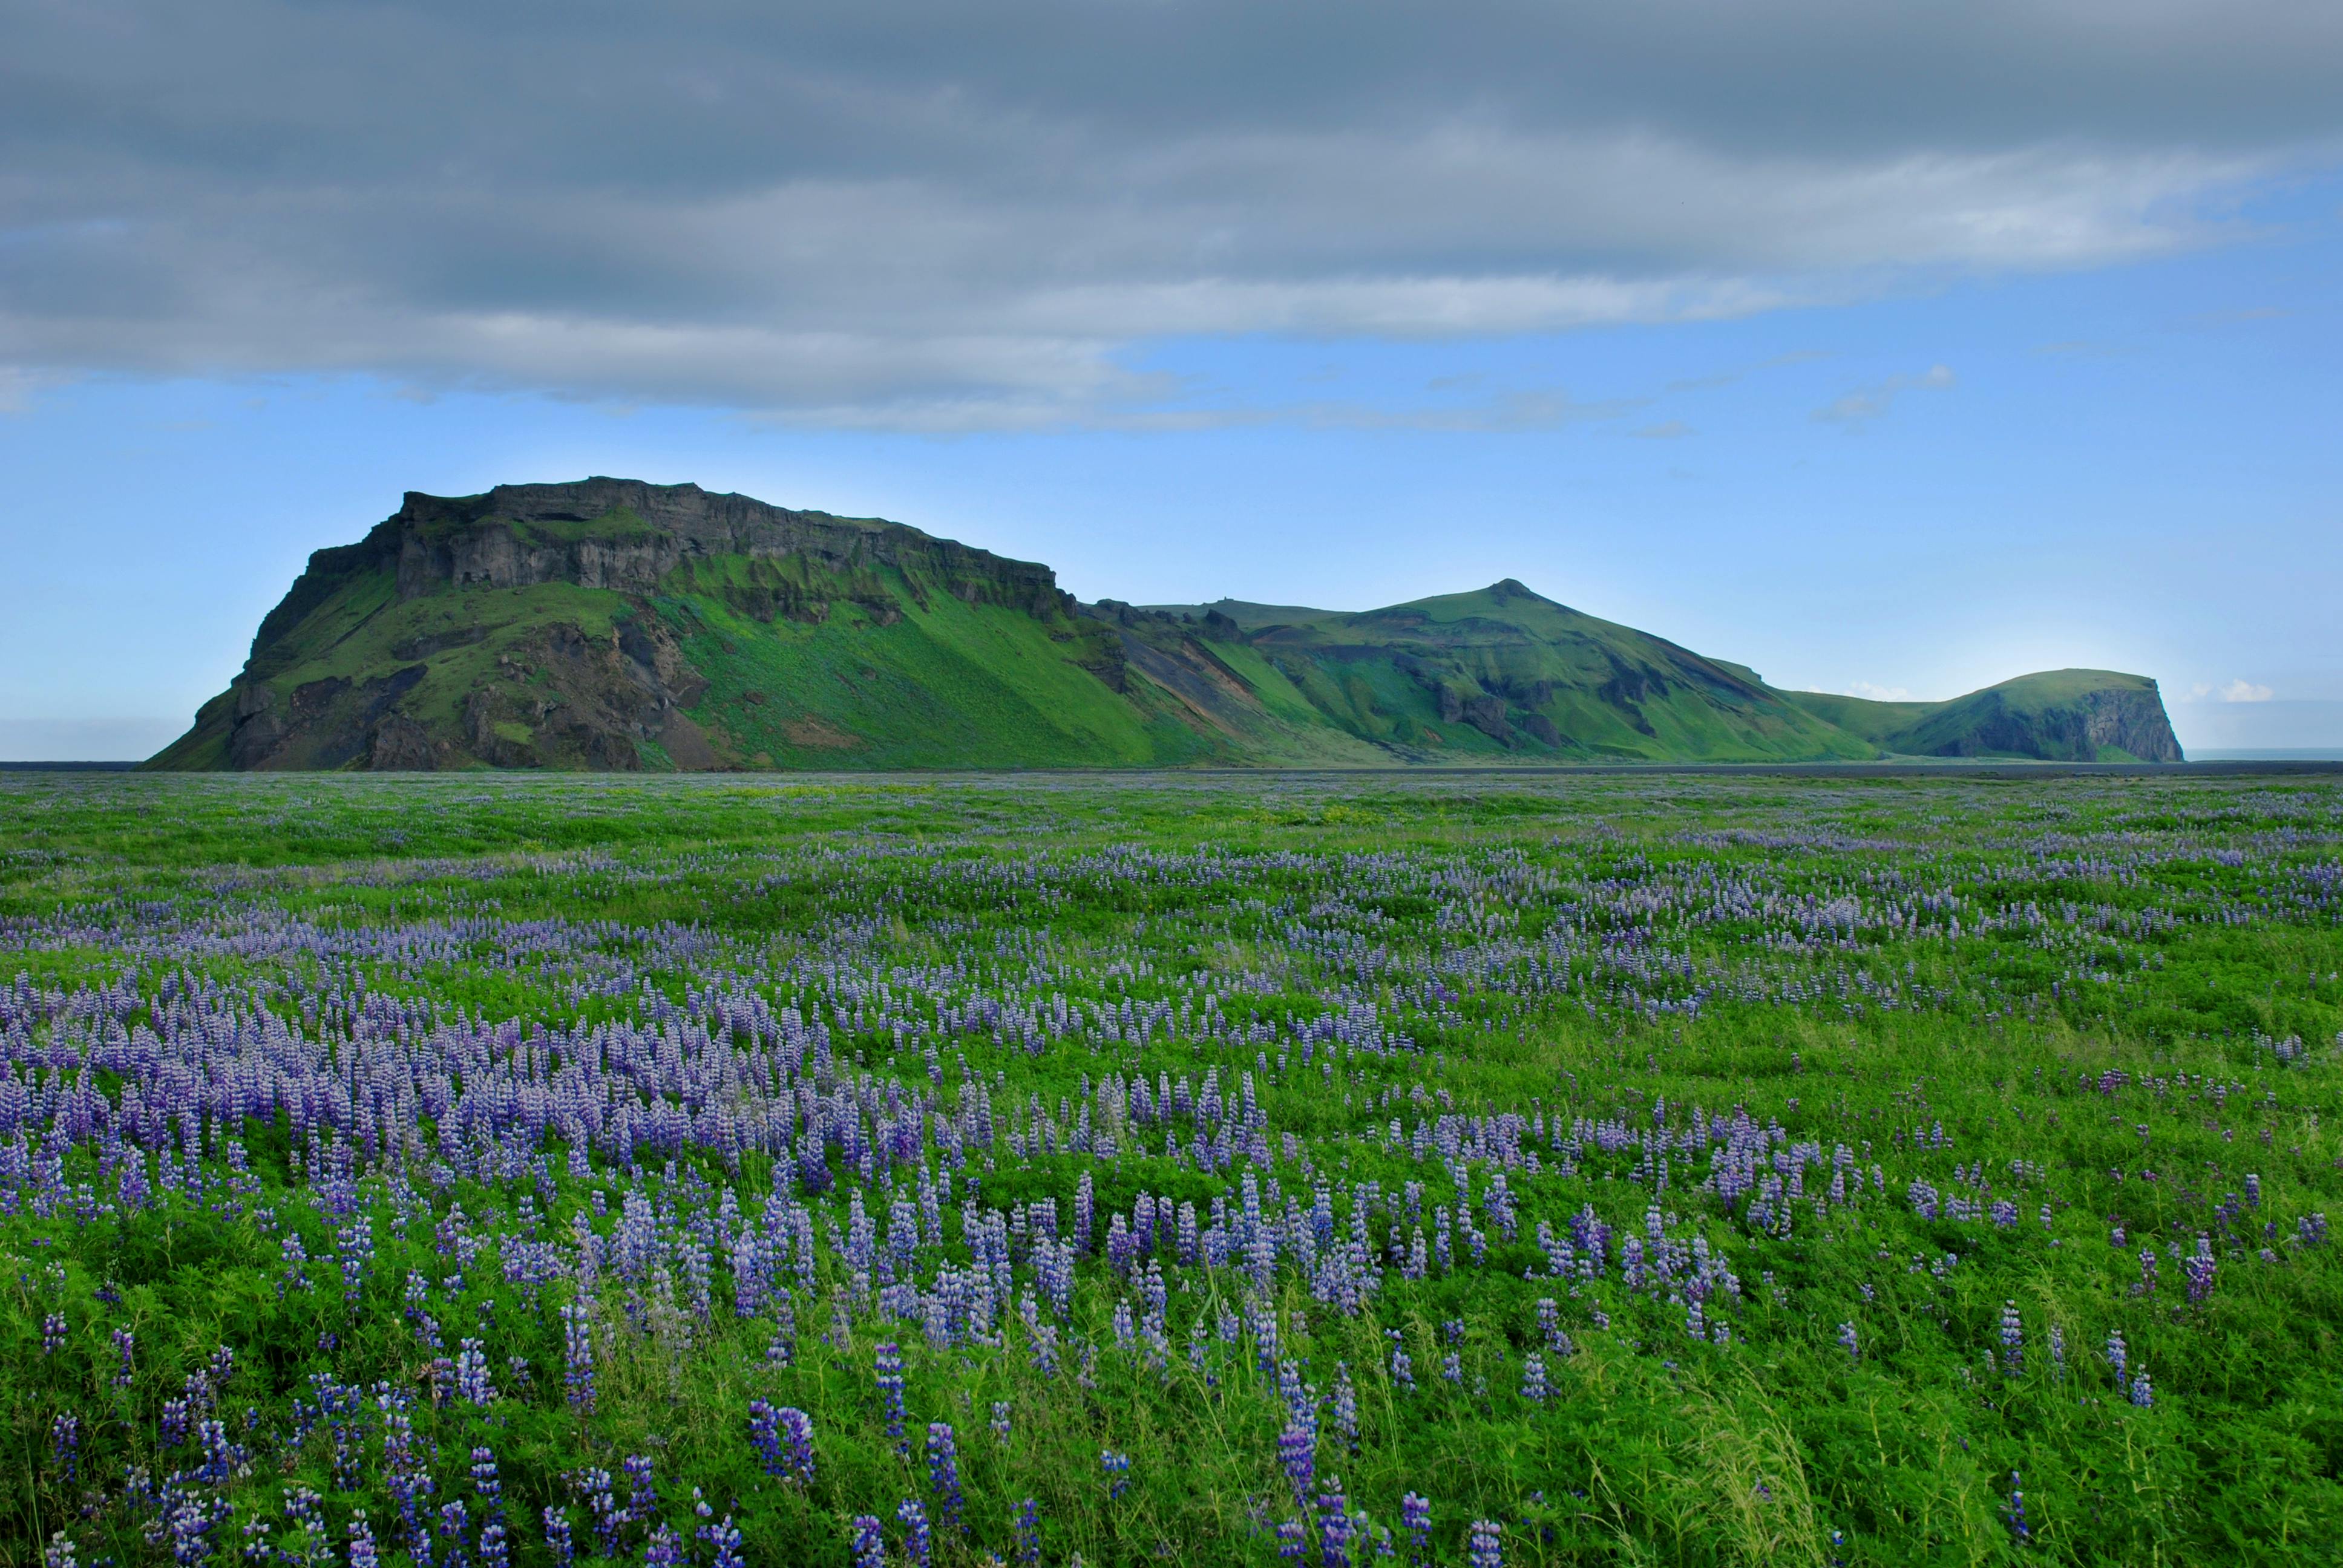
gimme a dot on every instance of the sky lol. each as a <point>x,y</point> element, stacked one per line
<point>1890,349</point>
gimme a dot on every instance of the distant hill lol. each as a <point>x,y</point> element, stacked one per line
<point>2060,715</point>
<point>612,624</point>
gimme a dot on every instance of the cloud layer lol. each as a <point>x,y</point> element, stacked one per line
<point>945,214</point>
<point>2238,690</point>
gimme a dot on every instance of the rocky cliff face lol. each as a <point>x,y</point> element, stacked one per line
<point>2068,716</point>
<point>2129,720</point>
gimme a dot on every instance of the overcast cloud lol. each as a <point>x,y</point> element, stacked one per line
<point>959,216</point>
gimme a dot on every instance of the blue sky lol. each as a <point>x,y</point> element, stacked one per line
<point>2096,425</point>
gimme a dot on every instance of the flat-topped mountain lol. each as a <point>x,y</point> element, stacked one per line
<point>614,624</point>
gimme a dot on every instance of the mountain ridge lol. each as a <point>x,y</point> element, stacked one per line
<point>615,624</point>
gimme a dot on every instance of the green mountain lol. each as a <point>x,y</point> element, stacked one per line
<point>613,624</point>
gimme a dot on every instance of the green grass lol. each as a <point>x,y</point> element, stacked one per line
<point>948,684</point>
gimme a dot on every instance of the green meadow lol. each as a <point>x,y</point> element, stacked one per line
<point>488,1169</point>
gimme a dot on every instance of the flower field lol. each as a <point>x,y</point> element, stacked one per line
<point>492,1172</point>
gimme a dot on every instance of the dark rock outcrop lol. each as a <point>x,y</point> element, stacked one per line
<point>626,536</point>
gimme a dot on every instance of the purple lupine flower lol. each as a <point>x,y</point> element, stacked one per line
<point>2013,1341</point>
<point>1000,1421</point>
<point>486,1483</point>
<point>765,1436</point>
<point>2199,1268</point>
<point>578,1358</point>
<point>642,1487</point>
<point>495,1550</point>
<point>125,1342</point>
<point>1484,1550</point>
<point>2116,1354</point>
<point>472,1383</point>
<point>59,1553</point>
<point>1533,1380</point>
<point>1297,1451</point>
<point>943,1473</point>
<point>1292,1540</point>
<point>1028,1532</point>
<point>918,1546</point>
<point>65,1446</point>
<point>2143,1392</point>
<point>53,1334</point>
<point>1416,1518</point>
<point>1117,1469</point>
<point>1403,1365</point>
<point>557,1536</point>
<point>1849,1342</point>
<point>1336,1527</point>
<point>453,1518</point>
<point>2058,1353</point>
<point>1346,1408</point>
<point>1549,1314</point>
<point>797,1436</point>
<point>221,1459</point>
<point>594,1489</point>
<point>405,1478</point>
<point>2019,1530</point>
<point>362,1548</point>
<point>891,1393</point>
<point>725,1537</point>
<point>869,1543</point>
<point>189,1518</point>
<point>306,1509</point>
<point>662,1549</point>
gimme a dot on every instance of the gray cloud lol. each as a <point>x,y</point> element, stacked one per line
<point>945,215</point>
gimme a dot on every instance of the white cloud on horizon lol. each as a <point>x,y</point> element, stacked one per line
<point>2238,690</point>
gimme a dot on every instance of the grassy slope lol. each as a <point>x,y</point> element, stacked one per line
<point>1506,637</point>
<point>1874,721</point>
<point>950,684</point>
<point>1275,722</point>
